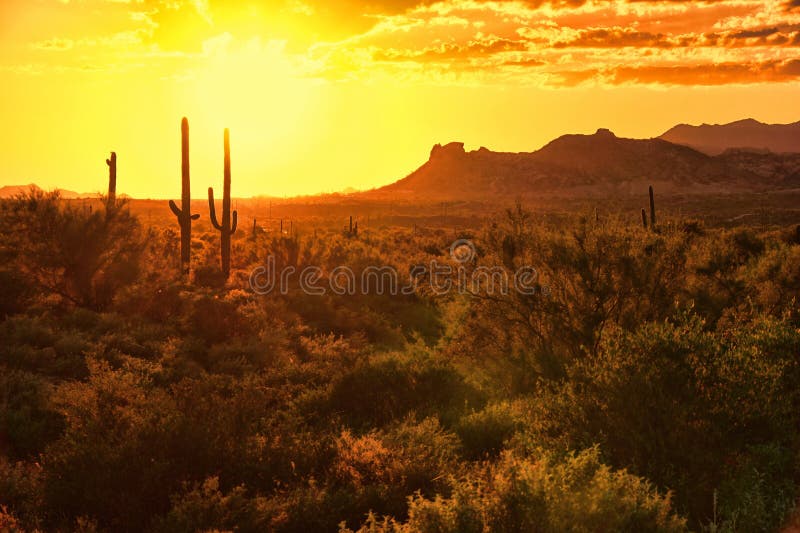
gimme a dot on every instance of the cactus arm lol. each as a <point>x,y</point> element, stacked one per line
<point>234,220</point>
<point>175,209</point>
<point>212,210</point>
<point>195,216</point>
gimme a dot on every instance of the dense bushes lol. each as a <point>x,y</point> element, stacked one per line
<point>82,256</point>
<point>389,388</point>
<point>689,409</point>
<point>649,384</point>
<point>578,493</point>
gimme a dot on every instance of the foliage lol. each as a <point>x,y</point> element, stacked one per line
<point>517,494</point>
<point>84,257</point>
<point>648,383</point>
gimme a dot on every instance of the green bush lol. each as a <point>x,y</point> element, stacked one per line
<point>388,388</point>
<point>578,493</point>
<point>484,433</point>
<point>28,421</point>
<point>677,404</point>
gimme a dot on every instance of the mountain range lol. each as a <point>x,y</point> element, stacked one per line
<point>13,190</point>
<point>595,165</point>
<point>714,139</point>
<point>743,156</point>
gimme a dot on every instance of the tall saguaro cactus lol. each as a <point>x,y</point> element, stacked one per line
<point>652,209</point>
<point>184,212</point>
<point>112,180</point>
<point>228,225</point>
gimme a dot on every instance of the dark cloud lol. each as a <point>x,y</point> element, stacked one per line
<point>452,51</point>
<point>761,32</point>
<point>709,74</point>
<point>616,38</point>
<point>626,37</point>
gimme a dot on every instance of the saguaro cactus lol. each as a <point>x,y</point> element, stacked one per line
<point>352,229</point>
<point>228,225</point>
<point>184,213</point>
<point>644,218</point>
<point>652,209</point>
<point>112,179</point>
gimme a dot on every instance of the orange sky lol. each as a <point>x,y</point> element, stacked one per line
<point>320,96</point>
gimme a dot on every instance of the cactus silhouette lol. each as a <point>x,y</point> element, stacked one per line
<point>184,212</point>
<point>644,218</point>
<point>228,225</point>
<point>352,230</point>
<point>652,209</point>
<point>112,181</point>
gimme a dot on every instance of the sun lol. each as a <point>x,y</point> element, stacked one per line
<point>259,92</point>
<point>254,88</point>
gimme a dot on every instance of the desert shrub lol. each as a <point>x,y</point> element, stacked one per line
<point>8,522</point>
<point>33,344</point>
<point>773,282</point>
<point>209,276</point>
<point>676,404</point>
<point>204,507</point>
<point>578,493</point>
<point>215,319</point>
<point>377,471</point>
<point>587,279</point>
<point>758,494</point>
<point>27,420</point>
<point>388,388</point>
<point>21,485</point>
<point>716,285</point>
<point>83,257</point>
<point>484,433</point>
<point>15,291</point>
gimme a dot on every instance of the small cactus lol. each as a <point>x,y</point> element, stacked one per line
<point>112,180</point>
<point>184,212</point>
<point>228,225</point>
<point>644,218</point>
<point>352,230</point>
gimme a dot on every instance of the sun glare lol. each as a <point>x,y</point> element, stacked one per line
<point>253,89</point>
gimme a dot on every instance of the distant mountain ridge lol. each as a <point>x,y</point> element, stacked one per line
<point>9,191</point>
<point>743,156</point>
<point>600,164</point>
<point>714,139</point>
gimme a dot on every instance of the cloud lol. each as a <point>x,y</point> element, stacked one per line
<point>554,43</point>
<point>55,44</point>
<point>484,46</point>
<point>709,74</point>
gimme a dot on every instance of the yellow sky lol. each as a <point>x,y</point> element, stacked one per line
<point>321,96</point>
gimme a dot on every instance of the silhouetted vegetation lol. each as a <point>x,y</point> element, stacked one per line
<point>647,381</point>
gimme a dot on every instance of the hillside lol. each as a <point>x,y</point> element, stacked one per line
<point>9,191</point>
<point>714,139</point>
<point>593,165</point>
